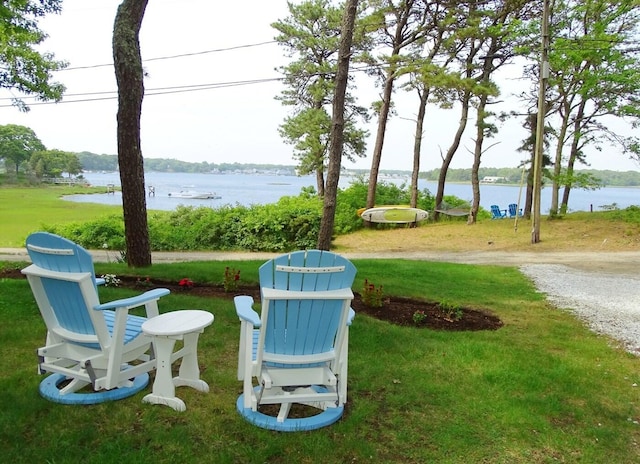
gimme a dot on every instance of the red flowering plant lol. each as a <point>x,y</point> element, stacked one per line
<point>372,295</point>
<point>231,279</point>
<point>186,284</point>
<point>140,282</point>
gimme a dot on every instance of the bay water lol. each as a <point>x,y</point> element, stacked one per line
<point>248,189</point>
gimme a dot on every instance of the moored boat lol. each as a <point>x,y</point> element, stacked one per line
<point>193,195</point>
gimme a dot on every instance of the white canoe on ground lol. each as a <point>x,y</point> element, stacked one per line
<point>394,215</point>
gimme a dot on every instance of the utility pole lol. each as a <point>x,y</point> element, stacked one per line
<point>537,163</point>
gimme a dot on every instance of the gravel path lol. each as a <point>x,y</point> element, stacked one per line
<point>608,303</point>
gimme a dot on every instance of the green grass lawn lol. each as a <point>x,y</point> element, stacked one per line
<point>26,209</point>
<point>541,389</point>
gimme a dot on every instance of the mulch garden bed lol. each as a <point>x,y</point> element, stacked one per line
<point>395,310</point>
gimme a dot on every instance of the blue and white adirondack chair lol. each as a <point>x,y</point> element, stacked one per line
<point>497,213</point>
<point>88,343</point>
<point>297,348</point>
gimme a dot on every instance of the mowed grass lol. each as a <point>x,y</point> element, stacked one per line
<point>26,209</point>
<point>541,389</point>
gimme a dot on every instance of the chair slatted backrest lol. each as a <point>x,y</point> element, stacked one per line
<point>305,326</point>
<point>65,297</point>
<point>513,210</point>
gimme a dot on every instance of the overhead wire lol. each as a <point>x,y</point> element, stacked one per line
<point>169,57</point>
<point>113,94</point>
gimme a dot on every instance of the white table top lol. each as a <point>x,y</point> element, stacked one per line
<point>178,322</point>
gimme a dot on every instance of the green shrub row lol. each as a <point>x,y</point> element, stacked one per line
<point>290,224</point>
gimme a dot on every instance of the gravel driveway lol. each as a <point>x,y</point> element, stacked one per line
<point>608,303</point>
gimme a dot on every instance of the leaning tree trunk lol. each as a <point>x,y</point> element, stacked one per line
<point>477,155</point>
<point>453,148</point>
<point>129,77</point>
<point>320,180</point>
<point>557,166</point>
<point>417,147</point>
<point>337,127</point>
<point>383,118</point>
<point>528,196</point>
<point>573,155</point>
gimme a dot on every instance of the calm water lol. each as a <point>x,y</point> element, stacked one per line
<point>247,189</point>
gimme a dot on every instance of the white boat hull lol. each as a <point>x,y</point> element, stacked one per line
<point>194,195</point>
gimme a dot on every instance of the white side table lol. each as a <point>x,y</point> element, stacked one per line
<point>165,329</point>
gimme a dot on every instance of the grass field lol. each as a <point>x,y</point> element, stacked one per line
<point>24,210</point>
<point>541,389</point>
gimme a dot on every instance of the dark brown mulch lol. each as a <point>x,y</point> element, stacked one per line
<point>396,310</point>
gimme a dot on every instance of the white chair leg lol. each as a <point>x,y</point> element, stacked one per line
<point>284,411</point>
<point>189,373</point>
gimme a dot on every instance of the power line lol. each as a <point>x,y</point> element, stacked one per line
<point>112,95</point>
<point>169,57</point>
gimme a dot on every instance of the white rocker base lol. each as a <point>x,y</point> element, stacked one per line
<point>322,419</point>
<point>175,402</point>
<point>49,389</point>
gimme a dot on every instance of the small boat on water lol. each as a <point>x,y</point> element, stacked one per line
<point>193,195</point>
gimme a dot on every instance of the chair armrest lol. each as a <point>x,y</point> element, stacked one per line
<point>245,312</point>
<point>134,301</point>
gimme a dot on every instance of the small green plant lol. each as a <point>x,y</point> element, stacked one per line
<point>231,279</point>
<point>372,295</point>
<point>110,280</point>
<point>419,316</point>
<point>146,282</point>
<point>451,312</point>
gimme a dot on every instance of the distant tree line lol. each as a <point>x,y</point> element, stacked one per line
<point>597,178</point>
<point>94,162</point>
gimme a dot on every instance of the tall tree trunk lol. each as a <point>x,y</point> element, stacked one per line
<point>477,155</point>
<point>573,154</point>
<point>417,147</point>
<point>337,127</point>
<point>464,117</point>
<point>320,181</point>
<point>528,197</point>
<point>403,13</point>
<point>129,77</point>
<point>383,117</point>
<point>557,167</point>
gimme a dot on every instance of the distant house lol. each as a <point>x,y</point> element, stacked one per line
<point>493,179</point>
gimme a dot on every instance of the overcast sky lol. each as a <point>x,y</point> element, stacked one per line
<point>221,45</point>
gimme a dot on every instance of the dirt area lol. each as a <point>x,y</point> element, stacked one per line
<point>396,310</point>
<point>600,246</point>
<point>565,235</point>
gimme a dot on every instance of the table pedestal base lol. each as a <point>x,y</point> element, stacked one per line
<point>165,330</point>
